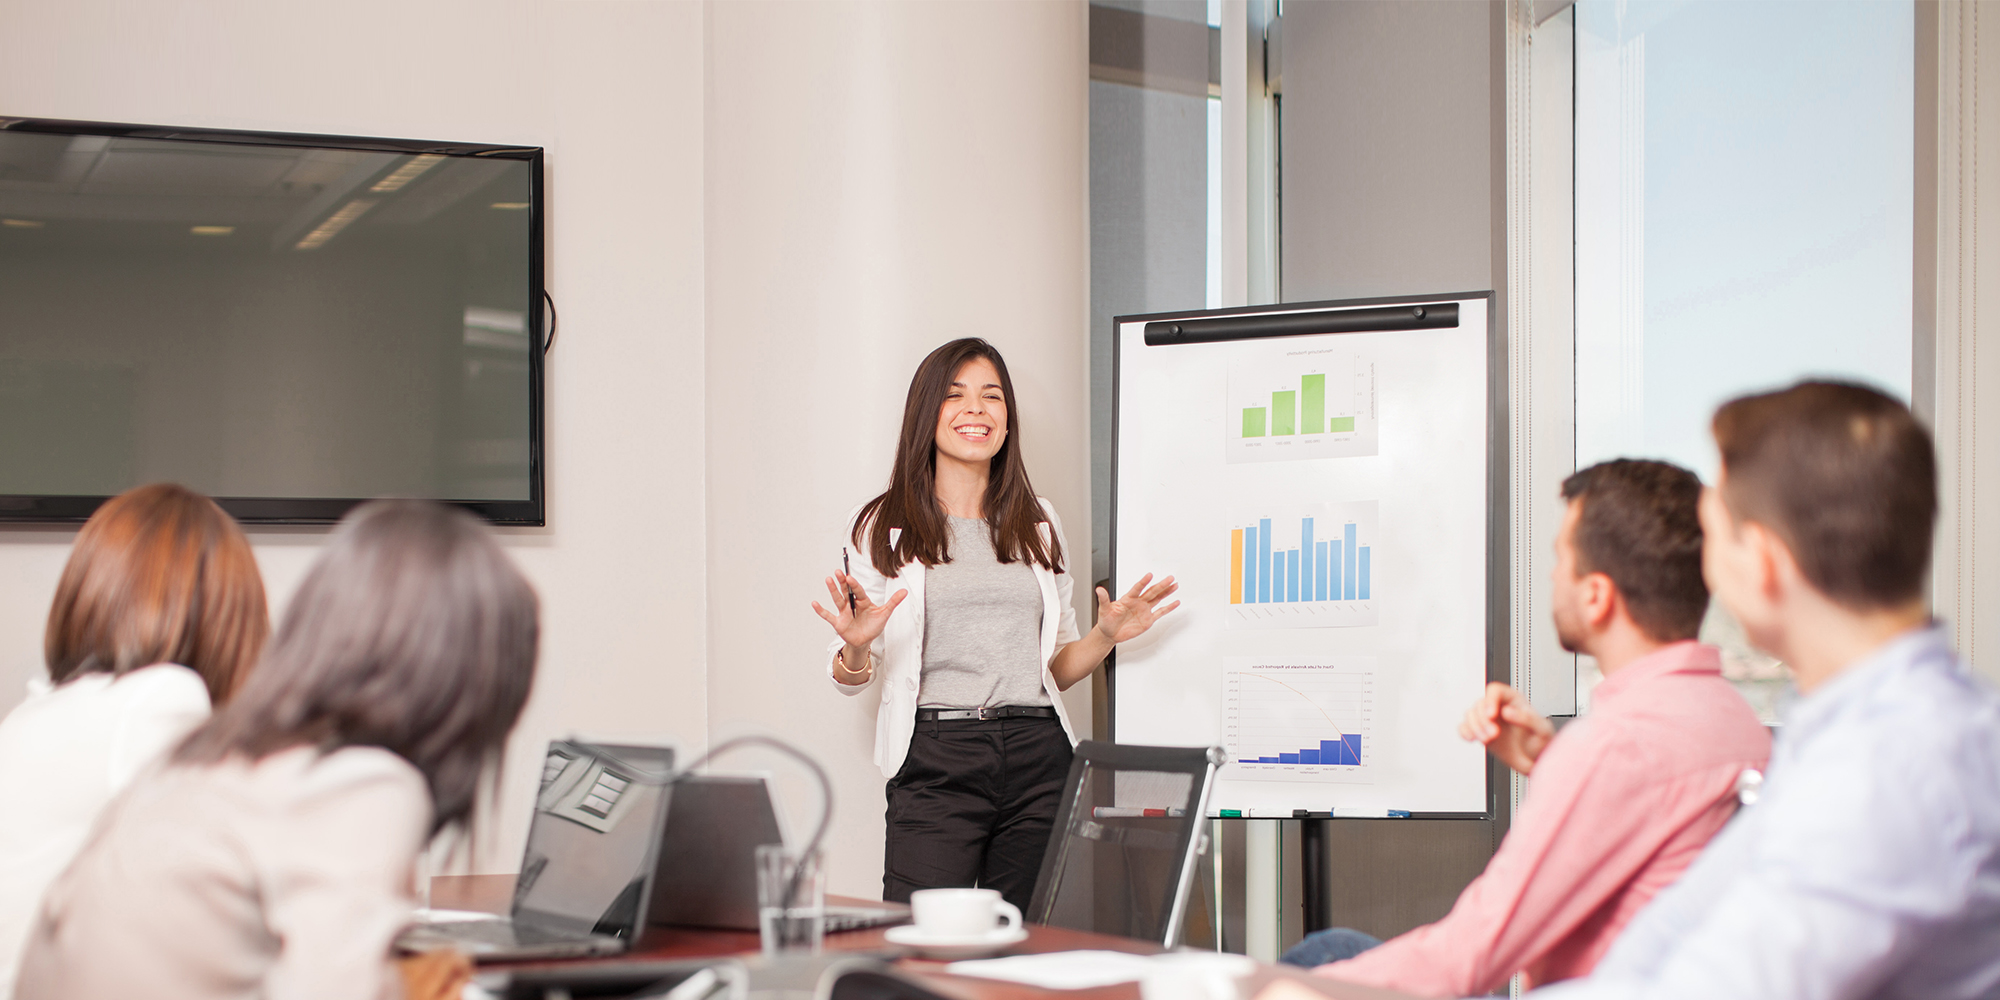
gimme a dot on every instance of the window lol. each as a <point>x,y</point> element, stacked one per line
<point>1744,218</point>
<point>1155,188</point>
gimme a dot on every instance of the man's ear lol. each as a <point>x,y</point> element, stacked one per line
<point>1600,600</point>
<point>1771,560</point>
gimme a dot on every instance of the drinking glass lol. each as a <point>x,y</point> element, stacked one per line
<point>791,900</point>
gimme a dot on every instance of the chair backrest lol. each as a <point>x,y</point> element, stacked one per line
<point>1121,858</point>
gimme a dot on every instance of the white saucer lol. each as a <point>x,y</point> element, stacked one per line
<point>911,936</point>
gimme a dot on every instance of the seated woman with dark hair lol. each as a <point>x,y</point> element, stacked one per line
<point>274,855</point>
<point>158,614</point>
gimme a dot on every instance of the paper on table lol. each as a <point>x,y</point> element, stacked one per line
<point>428,916</point>
<point>1059,970</point>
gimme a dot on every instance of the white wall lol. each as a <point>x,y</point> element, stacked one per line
<point>613,90</point>
<point>882,178</point>
<point>875,179</point>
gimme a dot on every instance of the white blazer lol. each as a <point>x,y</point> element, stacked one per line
<point>65,753</point>
<point>899,650</point>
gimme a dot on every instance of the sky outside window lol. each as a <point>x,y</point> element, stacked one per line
<point>1744,196</point>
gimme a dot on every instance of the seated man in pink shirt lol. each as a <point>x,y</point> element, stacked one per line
<point>1620,802</point>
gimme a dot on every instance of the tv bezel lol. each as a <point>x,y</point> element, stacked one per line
<point>28,509</point>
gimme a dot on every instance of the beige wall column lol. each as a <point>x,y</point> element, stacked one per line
<point>882,178</point>
<point>1966,581</point>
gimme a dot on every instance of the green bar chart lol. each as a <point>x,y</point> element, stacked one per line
<point>1285,409</point>
<point>1312,401</point>
<point>1284,413</point>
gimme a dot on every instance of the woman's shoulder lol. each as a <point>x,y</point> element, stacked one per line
<point>165,685</point>
<point>358,789</point>
<point>853,518</point>
<point>1049,513</point>
<point>305,780</point>
<point>299,776</point>
<point>160,682</point>
<point>314,773</point>
<point>362,790</point>
<point>160,689</point>
<point>864,515</point>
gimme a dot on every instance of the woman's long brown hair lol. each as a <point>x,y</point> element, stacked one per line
<point>159,574</point>
<point>911,503</point>
<point>414,633</point>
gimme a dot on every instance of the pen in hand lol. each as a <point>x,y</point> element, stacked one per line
<point>844,572</point>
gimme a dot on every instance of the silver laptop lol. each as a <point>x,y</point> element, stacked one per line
<point>707,873</point>
<point>587,876</point>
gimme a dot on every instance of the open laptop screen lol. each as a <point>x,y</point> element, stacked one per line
<point>594,838</point>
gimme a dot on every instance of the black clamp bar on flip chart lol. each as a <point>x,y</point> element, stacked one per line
<point>1213,329</point>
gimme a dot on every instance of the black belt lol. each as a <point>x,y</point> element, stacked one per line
<point>991,712</point>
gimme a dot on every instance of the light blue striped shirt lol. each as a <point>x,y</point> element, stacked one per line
<point>1871,866</point>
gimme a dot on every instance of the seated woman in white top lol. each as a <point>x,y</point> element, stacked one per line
<point>158,614</point>
<point>274,855</point>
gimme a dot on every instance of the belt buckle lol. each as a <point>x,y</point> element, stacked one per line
<point>982,714</point>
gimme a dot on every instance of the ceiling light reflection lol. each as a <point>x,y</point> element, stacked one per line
<point>407,172</point>
<point>334,224</point>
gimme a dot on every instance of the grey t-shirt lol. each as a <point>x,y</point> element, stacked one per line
<point>982,627</point>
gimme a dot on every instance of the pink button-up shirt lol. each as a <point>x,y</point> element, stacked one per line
<point>1620,804</point>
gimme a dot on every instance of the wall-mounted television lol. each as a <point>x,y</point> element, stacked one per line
<point>292,324</point>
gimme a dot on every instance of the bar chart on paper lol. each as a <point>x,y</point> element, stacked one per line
<point>1291,720</point>
<point>1305,403</point>
<point>1305,566</point>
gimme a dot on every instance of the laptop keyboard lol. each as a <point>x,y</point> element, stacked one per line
<point>495,932</point>
<point>854,918</point>
<point>505,935</point>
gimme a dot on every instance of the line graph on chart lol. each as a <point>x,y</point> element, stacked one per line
<point>1300,720</point>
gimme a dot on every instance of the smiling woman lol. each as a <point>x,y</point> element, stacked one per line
<point>970,734</point>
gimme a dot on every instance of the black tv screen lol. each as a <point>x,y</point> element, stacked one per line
<point>291,324</point>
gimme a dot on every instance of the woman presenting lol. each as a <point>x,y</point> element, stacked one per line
<point>971,733</point>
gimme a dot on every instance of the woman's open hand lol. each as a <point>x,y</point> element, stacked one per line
<point>1131,615</point>
<point>863,623</point>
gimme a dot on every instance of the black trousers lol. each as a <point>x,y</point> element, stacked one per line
<point>973,806</point>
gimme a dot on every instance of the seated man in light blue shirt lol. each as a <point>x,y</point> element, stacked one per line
<point>1871,865</point>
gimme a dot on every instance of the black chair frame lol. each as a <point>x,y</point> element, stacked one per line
<point>1199,763</point>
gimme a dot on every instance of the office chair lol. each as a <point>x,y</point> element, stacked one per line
<point>1121,859</point>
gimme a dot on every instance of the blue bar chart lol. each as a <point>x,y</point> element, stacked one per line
<point>1307,567</point>
<point>1345,750</point>
<point>1298,720</point>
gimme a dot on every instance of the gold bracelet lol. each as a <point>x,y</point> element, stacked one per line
<point>841,658</point>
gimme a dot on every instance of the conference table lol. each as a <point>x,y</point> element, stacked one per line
<point>494,893</point>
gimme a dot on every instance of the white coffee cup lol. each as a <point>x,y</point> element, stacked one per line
<point>961,913</point>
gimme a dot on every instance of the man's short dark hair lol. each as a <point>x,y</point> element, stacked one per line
<point>1845,476</point>
<point>1639,525</point>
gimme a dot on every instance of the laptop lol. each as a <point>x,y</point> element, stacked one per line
<point>707,874</point>
<point>587,876</point>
